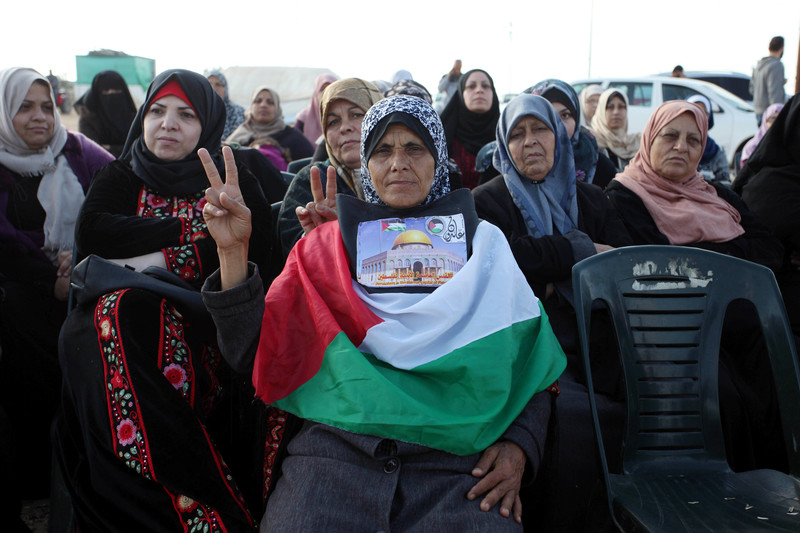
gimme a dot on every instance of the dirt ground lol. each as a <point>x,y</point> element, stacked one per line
<point>70,120</point>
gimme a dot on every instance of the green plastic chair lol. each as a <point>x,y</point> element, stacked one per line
<point>667,304</point>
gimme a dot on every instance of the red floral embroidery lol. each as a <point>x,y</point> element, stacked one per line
<point>186,504</point>
<point>175,375</point>
<point>105,328</point>
<point>117,380</point>
<point>126,432</point>
<point>156,201</point>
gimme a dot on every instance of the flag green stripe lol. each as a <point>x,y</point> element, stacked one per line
<point>462,402</point>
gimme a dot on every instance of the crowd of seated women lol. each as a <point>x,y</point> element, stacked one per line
<point>366,415</point>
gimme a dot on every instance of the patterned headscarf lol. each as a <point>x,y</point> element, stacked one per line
<point>421,118</point>
<point>411,88</point>
<point>551,203</point>
<point>584,145</point>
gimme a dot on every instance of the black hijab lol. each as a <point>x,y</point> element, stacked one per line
<point>114,111</point>
<point>185,176</point>
<point>473,130</point>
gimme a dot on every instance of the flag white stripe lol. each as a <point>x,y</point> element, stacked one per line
<point>432,325</point>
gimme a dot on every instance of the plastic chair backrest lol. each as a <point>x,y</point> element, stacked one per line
<point>667,304</point>
<point>295,166</point>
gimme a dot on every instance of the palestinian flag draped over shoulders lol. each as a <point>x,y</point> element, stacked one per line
<point>450,369</point>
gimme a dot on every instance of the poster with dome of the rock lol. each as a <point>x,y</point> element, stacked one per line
<point>411,252</point>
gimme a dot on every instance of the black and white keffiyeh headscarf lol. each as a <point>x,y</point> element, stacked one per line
<point>419,117</point>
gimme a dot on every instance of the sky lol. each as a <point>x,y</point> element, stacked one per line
<point>518,43</point>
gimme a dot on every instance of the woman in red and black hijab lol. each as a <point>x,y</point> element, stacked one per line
<point>142,442</point>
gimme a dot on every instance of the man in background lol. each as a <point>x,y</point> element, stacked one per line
<point>449,85</point>
<point>768,79</point>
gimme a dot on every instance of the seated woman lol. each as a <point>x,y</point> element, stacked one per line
<point>429,421</point>
<point>265,129</point>
<point>342,109</point>
<point>144,432</point>
<point>551,221</point>
<point>714,161</point>
<point>469,121</point>
<point>44,174</point>
<point>663,199</point>
<point>106,111</point>
<point>307,120</point>
<point>770,185</point>
<point>234,113</point>
<point>767,119</point>
<point>590,166</point>
<point>610,126</point>
<point>590,96</point>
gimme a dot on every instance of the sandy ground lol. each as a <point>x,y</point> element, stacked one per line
<point>70,120</point>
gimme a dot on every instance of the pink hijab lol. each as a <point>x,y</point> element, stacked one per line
<point>312,127</point>
<point>689,211</point>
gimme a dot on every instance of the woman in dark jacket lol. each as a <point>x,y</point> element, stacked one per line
<point>44,174</point>
<point>770,185</point>
<point>552,221</point>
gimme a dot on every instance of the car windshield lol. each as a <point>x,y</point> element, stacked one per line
<point>731,98</point>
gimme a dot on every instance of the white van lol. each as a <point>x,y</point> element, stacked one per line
<point>734,119</point>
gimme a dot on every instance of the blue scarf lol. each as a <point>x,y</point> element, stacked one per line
<point>549,205</point>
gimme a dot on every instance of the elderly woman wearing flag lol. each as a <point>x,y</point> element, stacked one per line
<point>403,335</point>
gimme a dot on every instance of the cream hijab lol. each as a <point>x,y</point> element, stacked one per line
<point>59,193</point>
<point>618,140</point>
<point>358,92</point>
<point>251,130</point>
<point>688,211</point>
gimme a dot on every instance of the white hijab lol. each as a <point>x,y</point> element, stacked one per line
<point>60,193</point>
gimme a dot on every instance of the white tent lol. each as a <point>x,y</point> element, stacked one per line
<point>294,85</point>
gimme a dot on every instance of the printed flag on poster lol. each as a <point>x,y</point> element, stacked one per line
<point>391,225</point>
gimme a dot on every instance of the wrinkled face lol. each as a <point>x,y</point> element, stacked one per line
<point>478,94</point>
<point>343,132</point>
<point>566,117</point>
<point>35,120</point>
<point>401,167</point>
<point>533,147</point>
<point>616,112</point>
<point>217,85</point>
<point>677,148</point>
<point>591,105</point>
<point>263,107</point>
<point>171,128</point>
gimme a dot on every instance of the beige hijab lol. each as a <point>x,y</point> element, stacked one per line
<point>358,92</point>
<point>250,130</point>
<point>60,194</point>
<point>688,211</point>
<point>618,140</point>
